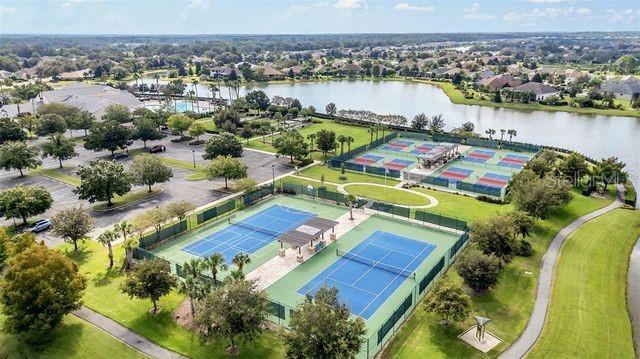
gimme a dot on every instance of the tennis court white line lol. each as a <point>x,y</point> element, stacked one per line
<point>394,279</point>
<point>347,284</point>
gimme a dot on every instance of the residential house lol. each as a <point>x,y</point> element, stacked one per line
<point>500,81</point>
<point>75,75</point>
<point>221,72</point>
<point>541,91</point>
<point>271,73</point>
<point>625,89</point>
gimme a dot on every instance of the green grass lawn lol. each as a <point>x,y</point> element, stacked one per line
<point>360,135</point>
<point>508,304</point>
<point>74,339</point>
<point>333,175</point>
<point>130,197</point>
<point>104,296</point>
<point>457,97</point>
<point>464,207</point>
<point>389,195</point>
<point>305,182</point>
<point>588,315</point>
<point>198,173</point>
<point>58,175</point>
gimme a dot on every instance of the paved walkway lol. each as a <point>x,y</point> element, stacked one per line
<point>633,293</point>
<point>536,322</point>
<point>125,335</point>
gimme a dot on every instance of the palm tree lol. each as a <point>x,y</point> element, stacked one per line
<point>136,77</point>
<point>194,82</point>
<point>195,290</point>
<point>502,132</point>
<point>342,139</point>
<point>214,263</point>
<point>192,268</point>
<point>124,227</point>
<point>350,200</point>
<point>213,89</point>
<point>383,128</point>
<point>512,133</point>
<point>240,260</point>
<point>350,140</point>
<point>490,132</point>
<point>106,238</point>
<point>190,95</point>
<point>312,138</point>
<point>371,131</point>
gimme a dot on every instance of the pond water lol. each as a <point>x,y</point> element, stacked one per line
<point>594,135</point>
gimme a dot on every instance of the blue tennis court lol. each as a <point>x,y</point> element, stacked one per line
<point>368,274</point>
<point>250,234</point>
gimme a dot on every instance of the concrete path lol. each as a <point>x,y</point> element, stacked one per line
<point>633,294</point>
<point>125,335</point>
<point>536,322</point>
<point>432,200</point>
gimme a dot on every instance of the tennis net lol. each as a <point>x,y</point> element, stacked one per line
<point>376,264</point>
<point>254,228</point>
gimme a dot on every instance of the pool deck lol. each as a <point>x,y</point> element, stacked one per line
<point>278,267</point>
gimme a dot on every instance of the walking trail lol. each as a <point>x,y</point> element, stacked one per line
<point>536,322</point>
<point>125,335</point>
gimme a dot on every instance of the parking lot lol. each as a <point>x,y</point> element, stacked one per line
<point>178,188</point>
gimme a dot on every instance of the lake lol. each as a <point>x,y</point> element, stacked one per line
<point>594,135</point>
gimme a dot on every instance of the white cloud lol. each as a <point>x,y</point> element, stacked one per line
<point>296,9</point>
<point>70,3</point>
<point>569,13</point>
<point>5,10</point>
<point>474,13</point>
<point>628,15</point>
<point>198,4</point>
<point>406,6</point>
<point>351,4</point>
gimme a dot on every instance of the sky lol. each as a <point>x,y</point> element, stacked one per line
<point>313,17</point>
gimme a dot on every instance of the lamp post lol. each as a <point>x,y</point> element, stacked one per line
<point>273,178</point>
<point>193,153</point>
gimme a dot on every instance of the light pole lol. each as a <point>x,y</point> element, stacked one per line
<point>273,178</point>
<point>193,152</point>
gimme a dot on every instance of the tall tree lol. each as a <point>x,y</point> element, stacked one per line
<point>341,139</point>
<point>331,109</point>
<point>17,155</point>
<point>226,167</point>
<point>179,209</point>
<point>179,123</point>
<point>40,287</point>
<point>10,130</point>
<point>150,280</point>
<point>222,144</point>
<point>326,141</point>
<point>24,201</point>
<point>59,147</point>
<point>237,310</point>
<point>240,260</point>
<point>490,132</point>
<point>538,196</point>
<point>51,124</point>
<point>291,143</point>
<point>215,263</point>
<point>420,122</point>
<point>196,130</point>
<point>479,271</point>
<point>342,335</point>
<point>609,170</point>
<point>258,99</point>
<point>109,135</point>
<point>497,236</point>
<point>436,124</point>
<point>512,133</point>
<point>574,166</point>
<point>116,113</point>
<point>106,238</point>
<point>82,120</point>
<point>72,225</point>
<point>102,180</point>
<point>146,129</point>
<point>448,301</point>
<point>147,170</point>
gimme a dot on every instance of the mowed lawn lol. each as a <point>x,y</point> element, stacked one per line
<point>588,314</point>
<point>508,305</point>
<point>360,135</point>
<point>389,195</point>
<point>103,295</point>
<point>333,175</point>
<point>74,339</point>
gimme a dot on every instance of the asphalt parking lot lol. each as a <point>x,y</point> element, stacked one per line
<point>261,167</point>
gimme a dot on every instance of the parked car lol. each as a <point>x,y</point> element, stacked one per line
<point>119,156</point>
<point>41,225</point>
<point>157,148</point>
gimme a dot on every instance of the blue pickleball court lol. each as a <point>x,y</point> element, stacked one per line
<point>370,273</point>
